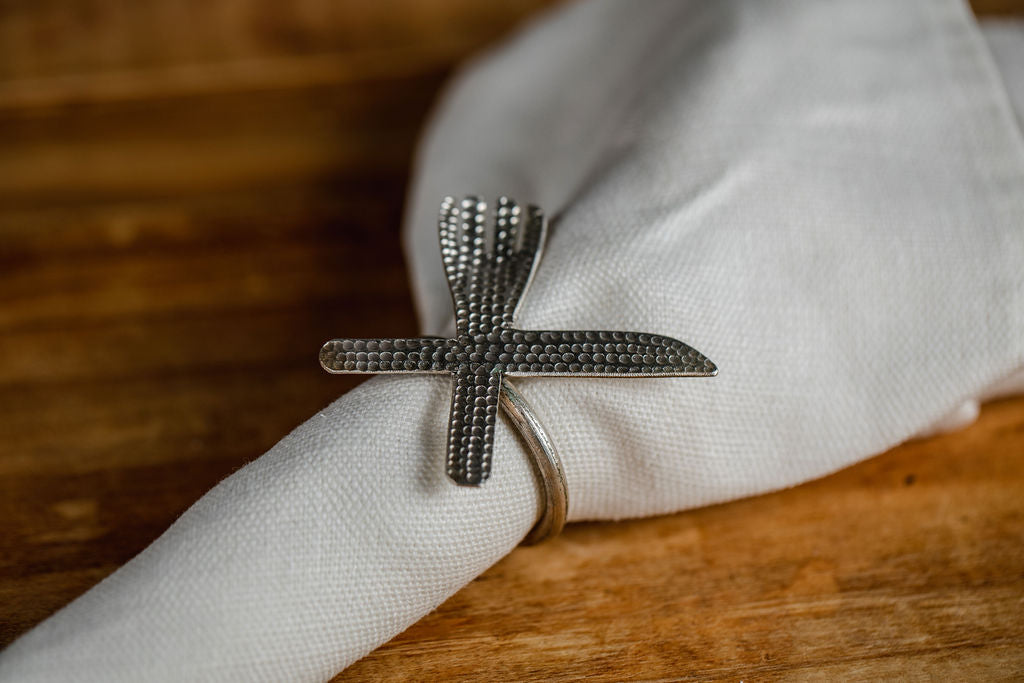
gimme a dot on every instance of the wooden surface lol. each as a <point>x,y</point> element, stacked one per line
<point>908,565</point>
<point>177,177</point>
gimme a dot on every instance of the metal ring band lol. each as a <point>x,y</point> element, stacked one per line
<point>554,492</point>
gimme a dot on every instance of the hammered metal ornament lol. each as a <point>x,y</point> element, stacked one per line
<point>487,283</point>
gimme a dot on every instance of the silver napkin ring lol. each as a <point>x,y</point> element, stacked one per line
<point>488,274</point>
<point>541,449</point>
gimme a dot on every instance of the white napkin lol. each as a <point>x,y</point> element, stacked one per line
<point>825,198</point>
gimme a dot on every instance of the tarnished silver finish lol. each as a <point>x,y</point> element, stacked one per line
<point>488,275</point>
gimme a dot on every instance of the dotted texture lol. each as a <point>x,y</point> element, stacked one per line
<point>488,273</point>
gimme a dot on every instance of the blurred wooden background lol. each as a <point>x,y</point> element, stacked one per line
<point>183,185</point>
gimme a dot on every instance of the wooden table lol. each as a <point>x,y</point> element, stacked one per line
<point>179,179</point>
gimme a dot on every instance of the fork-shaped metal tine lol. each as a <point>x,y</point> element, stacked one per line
<point>506,237</point>
<point>506,231</point>
<point>477,267</point>
<point>450,239</point>
<point>461,233</point>
<point>525,260</point>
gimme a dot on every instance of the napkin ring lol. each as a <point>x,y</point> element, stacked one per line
<point>488,274</point>
<point>546,465</point>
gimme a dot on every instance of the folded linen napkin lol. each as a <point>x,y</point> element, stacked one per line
<point>825,198</point>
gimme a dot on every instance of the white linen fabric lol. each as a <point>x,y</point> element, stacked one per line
<point>826,198</point>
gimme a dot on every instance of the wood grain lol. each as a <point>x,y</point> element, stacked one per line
<point>184,189</point>
<point>910,565</point>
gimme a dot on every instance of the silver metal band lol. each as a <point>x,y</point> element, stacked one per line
<point>554,492</point>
